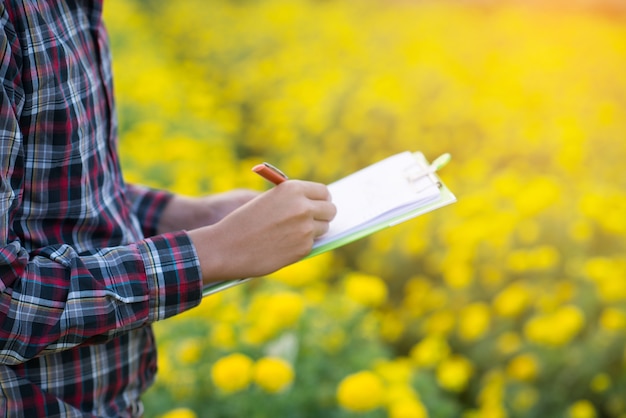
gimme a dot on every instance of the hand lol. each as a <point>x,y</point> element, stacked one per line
<point>194,212</point>
<point>273,230</point>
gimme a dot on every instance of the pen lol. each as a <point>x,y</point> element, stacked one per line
<point>269,172</point>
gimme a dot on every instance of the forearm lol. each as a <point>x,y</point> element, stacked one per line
<point>182,213</point>
<point>187,213</point>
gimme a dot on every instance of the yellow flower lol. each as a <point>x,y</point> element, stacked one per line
<point>537,194</point>
<point>613,319</point>
<point>315,294</point>
<point>570,319</point>
<point>305,272</point>
<point>416,295</point>
<point>599,268</point>
<point>189,351</point>
<point>580,230</point>
<point>396,371</point>
<point>582,409</point>
<point>232,373</point>
<point>420,296</point>
<point>523,367</point>
<point>179,413</point>
<point>528,231</point>
<point>407,408</point>
<point>440,322</point>
<point>612,290</point>
<point>600,382</point>
<point>492,411</point>
<point>493,386</point>
<point>512,301</point>
<point>368,290</point>
<point>540,258</point>
<point>509,342</point>
<point>273,374</point>
<point>430,351</point>
<point>458,275</point>
<point>557,328</point>
<point>167,370</point>
<point>602,271</point>
<point>391,326</point>
<point>453,373</point>
<point>207,308</point>
<point>399,393</point>
<point>223,336</point>
<point>490,275</point>
<point>361,392</point>
<point>517,261</point>
<point>286,307</point>
<point>545,257</point>
<point>474,321</point>
<point>564,291</point>
<point>271,313</point>
<point>258,333</point>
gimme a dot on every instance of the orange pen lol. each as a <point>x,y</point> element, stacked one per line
<point>269,172</point>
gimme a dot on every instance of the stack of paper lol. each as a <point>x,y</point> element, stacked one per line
<point>378,194</point>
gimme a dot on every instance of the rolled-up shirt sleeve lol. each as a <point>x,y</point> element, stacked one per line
<point>168,259</point>
<point>62,299</point>
<point>172,273</point>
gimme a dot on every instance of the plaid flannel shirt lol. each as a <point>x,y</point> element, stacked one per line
<point>79,282</point>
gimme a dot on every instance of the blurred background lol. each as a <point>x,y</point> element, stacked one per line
<point>509,303</point>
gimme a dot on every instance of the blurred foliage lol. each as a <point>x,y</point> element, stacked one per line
<point>509,303</point>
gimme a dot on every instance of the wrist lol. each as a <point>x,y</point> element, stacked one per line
<point>213,264</point>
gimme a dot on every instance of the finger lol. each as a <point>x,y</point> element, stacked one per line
<point>321,227</point>
<point>312,190</point>
<point>323,211</point>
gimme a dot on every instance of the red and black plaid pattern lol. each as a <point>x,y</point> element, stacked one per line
<point>79,282</point>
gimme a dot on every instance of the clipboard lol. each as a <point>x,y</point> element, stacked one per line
<point>382,195</point>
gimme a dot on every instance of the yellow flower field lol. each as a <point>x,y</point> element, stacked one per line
<point>509,303</point>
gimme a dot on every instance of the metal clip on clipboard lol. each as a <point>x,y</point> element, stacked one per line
<point>414,174</point>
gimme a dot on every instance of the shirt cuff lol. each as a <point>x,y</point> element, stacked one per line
<point>173,274</point>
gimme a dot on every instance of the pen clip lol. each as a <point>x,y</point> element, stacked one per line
<point>274,168</point>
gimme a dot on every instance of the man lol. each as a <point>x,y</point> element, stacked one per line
<point>87,262</point>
